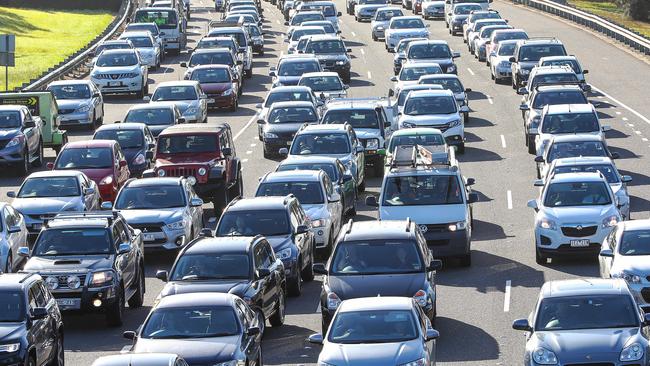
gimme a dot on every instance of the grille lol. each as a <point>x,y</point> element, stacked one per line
<point>3,143</point>
<point>113,76</point>
<point>435,243</point>
<point>42,216</point>
<point>288,136</point>
<point>63,280</point>
<point>437,228</point>
<point>66,111</point>
<point>575,233</point>
<point>328,63</point>
<point>149,228</point>
<point>180,172</point>
<point>442,128</point>
<point>645,293</point>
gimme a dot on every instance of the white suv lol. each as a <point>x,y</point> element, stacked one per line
<point>120,71</point>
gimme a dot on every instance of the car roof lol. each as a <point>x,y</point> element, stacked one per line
<point>559,58</point>
<point>89,144</point>
<point>192,128</point>
<point>325,37</point>
<point>559,87</point>
<point>387,8</point>
<point>412,63</point>
<point>122,126</point>
<point>538,41</point>
<point>211,66</point>
<point>155,181</point>
<point>12,107</point>
<point>419,87</point>
<point>577,177</point>
<point>220,244</point>
<point>319,73</point>
<point>291,104</point>
<point>258,203</point>
<point>490,20</point>
<point>212,50</point>
<point>137,359</point>
<point>55,173</point>
<point>584,286</point>
<point>417,131</point>
<point>308,159</point>
<point>431,93</point>
<point>576,137</point>
<point>178,83</point>
<point>196,299</point>
<point>118,51</point>
<point>115,41</point>
<point>226,30</point>
<point>406,17</point>
<point>428,41</point>
<point>553,69</point>
<point>582,160</point>
<point>439,76</point>
<point>293,176</point>
<point>643,224</point>
<point>378,229</point>
<point>218,38</point>
<point>151,105</point>
<point>372,303</point>
<point>135,34</point>
<point>294,88</point>
<point>78,222</point>
<point>569,108</point>
<point>300,58</point>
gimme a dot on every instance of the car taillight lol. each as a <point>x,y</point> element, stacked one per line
<point>107,180</point>
<point>421,297</point>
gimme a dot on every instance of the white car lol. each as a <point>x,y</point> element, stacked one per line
<point>412,71</point>
<point>148,48</point>
<point>120,71</point>
<point>317,196</point>
<point>499,61</point>
<point>187,96</point>
<point>381,20</point>
<point>13,235</point>
<point>404,27</point>
<point>325,85</point>
<point>297,32</point>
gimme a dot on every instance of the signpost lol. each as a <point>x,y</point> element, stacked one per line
<point>7,54</point>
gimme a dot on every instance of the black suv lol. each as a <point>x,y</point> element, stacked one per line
<point>379,258</point>
<point>243,266</point>
<point>91,261</point>
<point>284,224</point>
<point>31,325</point>
<point>331,53</point>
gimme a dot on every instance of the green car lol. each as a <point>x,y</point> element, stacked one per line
<point>424,136</point>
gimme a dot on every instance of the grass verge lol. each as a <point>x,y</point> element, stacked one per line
<point>611,11</point>
<point>45,38</point>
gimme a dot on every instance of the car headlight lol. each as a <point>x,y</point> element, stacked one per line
<point>161,173</point>
<point>14,141</point>
<point>176,225</point>
<point>101,278</point>
<point>341,62</point>
<point>610,221</point>
<point>543,356</point>
<point>451,68</point>
<point>379,27</point>
<point>460,225</point>
<point>139,159</point>
<point>11,347</point>
<point>632,352</point>
<point>408,124</point>
<point>333,301</point>
<point>525,71</point>
<point>83,109</point>
<point>454,123</point>
<point>545,223</point>
<point>628,277</point>
<point>318,223</point>
<point>132,75</point>
<point>227,92</point>
<point>108,180</point>
<point>284,254</point>
<point>52,282</point>
<point>190,110</point>
<point>372,144</point>
<point>202,171</point>
<point>421,298</point>
<point>420,362</point>
<point>270,135</point>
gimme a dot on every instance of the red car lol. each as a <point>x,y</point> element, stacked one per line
<point>101,160</point>
<point>219,83</point>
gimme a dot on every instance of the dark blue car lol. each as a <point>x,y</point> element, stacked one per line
<point>136,141</point>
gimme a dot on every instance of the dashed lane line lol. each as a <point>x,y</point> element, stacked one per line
<point>369,75</point>
<point>503,141</point>
<point>506,300</point>
<point>642,117</point>
<point>250,122</point>
<point>490,100</point>
<point>470,71</point>
<point>509,199</point>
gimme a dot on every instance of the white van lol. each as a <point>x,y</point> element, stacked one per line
<point>170,23</point>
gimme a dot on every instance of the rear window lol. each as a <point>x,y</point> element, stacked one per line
<point>165,19</point>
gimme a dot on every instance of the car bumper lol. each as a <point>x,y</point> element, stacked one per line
<point>554,242</point>
<point>192,117</point>
<point>119,86</point>
<point>379,33</point>
<point>151,62</point>
<point>221,101</point>
<point>434,14</point>
<point>322,236</point>
<point>258,47</point>
<point>502,72</point>
<point>11,155</point>
<point>339,69</point>
<point>73,119</point>
<point>364,17</point>
<point>456,27</point>
<point>84,300</point>
<point>273,145</point>
<point>448,243</point>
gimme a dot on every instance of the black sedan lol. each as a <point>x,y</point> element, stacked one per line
<point>204,329</point>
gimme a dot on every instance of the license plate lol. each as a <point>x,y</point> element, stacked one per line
<point>578,243</point>
<point>149,237</point>
<point>69,303</point>
<point>210,101</point>
<point>114,83</point>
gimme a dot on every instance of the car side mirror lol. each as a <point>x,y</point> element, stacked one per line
<point>240,62</point>
<point>89,190</point>
<point>97,95</point>
<point>258,105</point>
<point>129,334</point>
<point>393,78</point>
<point>286,23</point>
<point>319,268</point>
<point>470,182</point>
<point>391,92</point>
<point>464,109</point>
<point>107,205</point>
<point>606,253</point>
<point>226,151</point>
<point>431,334</point>
<point>455,54</point>
<point>626,179</point>
<point>606,128</point>
<point>302,229</point>
<point>316,338</point>
<point>196,202</point>
<point>283,151</point>
<point>162,275</point>
<point>585,71</point>
<point>272,74</point>
<point>183,64</point>
<point>524,107</point>
<point>263,272</point>
<point>30,123</point>
<point>339,14</point>
<point>468,90</point>
<point>615,155</point>
<point>512,59</point>
<point>372,201</point>
<point>124,248</point>
<point>435,265</point>
<point>472,197</point>
<point>359,149</point>
<point>253,331</point>
<point>646,319</point>
<point>181,120</point>
<point>348,50</point>
<point>39,313</point>
<point>13,229</point>
<point>522,91</point>
<point>539,159</point>
<point>538,183</point>
<point>23,252</point>
<point>346,86</point>
<point>532,204</point>
<point>146,98</point>
<point>11,194</point>
<point>522,324</point>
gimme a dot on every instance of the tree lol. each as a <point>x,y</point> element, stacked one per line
<point>637,9</point>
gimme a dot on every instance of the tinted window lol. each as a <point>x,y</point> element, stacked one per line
<point>308,193</point>
<point>358,118</point>
<point>292,115</point>
<point>385,15</point>
<point>140,42</point>
<point>447,83</point>
<point>128,139</point>
<point>295,36</point>
<point>151,117</point>
<point>422,190</point>
<point>191,322</point>
<point>571,63</point>
<point>415,72</point>
<point>605,169</point>
<point>406,23</point>
<point>535,52</point>
<point>287,97</point>
<point>12,306</point>
<point>251,223</point>
<point>575,149</point>
<point>427,51</point>
<point>117,59</point>
<point>151,197</point>
<point>85,158</point>
<point>322,83</point>
<point>324,47</point>
<point>465,9</point>
<point>85,241</point>
<point>570,123</point>
<point>587,312</point>
<point>165,19</point>
<point>412,140</point>
<point>577,194</point>
<point>78,91</point>
<point>507,49</point>
<point>553,79</point>
<point>558,97</point>
<point>430,105</point>
<point>298,68</point>
<point>240,37</point>
<point>377,257</point>
<point>303,17</point>
<point>172,93</point>
<point>377,326</point>
<point>212,58</point>
<point>309,144</point>
<point>329,169</point>
<point>175,144</point>
<point>502,36</point>
<point>49,187</point>
<point>216,43</point>
<point>210,266</point>
<point>211,76</point>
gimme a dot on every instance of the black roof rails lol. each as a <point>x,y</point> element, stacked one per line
<point>577,83</point>
<point>108,215</point>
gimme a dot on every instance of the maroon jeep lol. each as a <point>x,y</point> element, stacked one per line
<point>206,153</point>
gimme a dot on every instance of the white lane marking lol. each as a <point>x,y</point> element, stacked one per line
<point>249,152</point>
<point>509,197</point>
<point>624,118</point>
<point>506,301</point>
<point>369,75</point>
<point>277,21</point>
<point>362,51</point>
<point>354,34</point>
<point>253,145</point>
<point>618,113</point>
<point>503,141</point>
<point>646,120</point>
<point>637,132</point>
<point>630,125</point>
<point>470,71</point>
<point>644,139</point>
<point>126,349</point>
<point>250,122</point>
<point>281,54</point>
<point>489,98</point>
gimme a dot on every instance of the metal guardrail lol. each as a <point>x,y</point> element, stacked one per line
<point>594,22</point>
<point>82,56</point>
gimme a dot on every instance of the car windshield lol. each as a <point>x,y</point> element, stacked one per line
<point>535,52</point>
<point>327,10</point>
<point>412,140</point>
<point>635,242</point>
<point>83,241</point>
<point>303,17</point>
<point>326,47</point>
<point>503,36</point>
<point>151,117</point>
<point>374,257</point>
<point>70,91</point>
<point>164,19</point>
<point>412,73</point>
<point>320,144</point>
<point>298,96</point>
<point>85,158</point>
<point>179,144</point>
<point>172,93</point>
<point>150,197</point>
<point>478,26</point>
<point>430,105</point>
<point>507,49</point>
<point>217,43</point>
<point>403,93</point>
<point>558,97</point>
<point>117,59</point>
<point>49,187</point>
<point>295,36</point>
<point>577,194</point>
<point>322,83</point>
<point>140,42</point>
<point>607,170</point>
<point>466,9</point>
<point>553,79</point>
<point>373,326</point>
<point>205,76</point>
<point>329,169</point>
<point>128,139</point>
<point>487,32</point>
<point>11,306</point>
<point>308,193</point>
<point>484,15</point>
<point>9,119</point>
<point>191,322</point>
<point>587,312</point>
<point>251,223</point>
<point>292,115</point>
<point>211,58</point>
<point>253,30</point>
<point>447,83</point>
<point>408,23</point>
<point>357,118</point>
<point>385,15</point>
<point>428,51</point>
<point>423,190</point>
<point>298,68</point>
<point>211,266</point>
<point>570,123</point>
<point>574,149</point>
<point>573,64</point>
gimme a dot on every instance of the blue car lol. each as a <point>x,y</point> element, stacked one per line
<point>136,141</point>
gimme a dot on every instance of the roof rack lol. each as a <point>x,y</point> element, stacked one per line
<point>223,24</point>
<point>110,216</point>
<point>538,85</point>
<point>419,155</point>
<point>542,39</point>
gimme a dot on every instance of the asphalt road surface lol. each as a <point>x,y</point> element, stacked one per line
<point>476,305</point>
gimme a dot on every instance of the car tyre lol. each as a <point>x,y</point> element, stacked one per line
<point>23,168</point>
<point>307,273</point>
<point>137,299</point>
<point>531,145</point>
<point>374,38</point>
<point>9,267</point>
<point>277,319</point>
<point>295,286</point>
<point>59,353</point>
<point>466,260</point>
<point>115,312</point>
<point>234,106</point>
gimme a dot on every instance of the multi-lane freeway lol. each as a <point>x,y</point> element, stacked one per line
<point>476,305</point>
